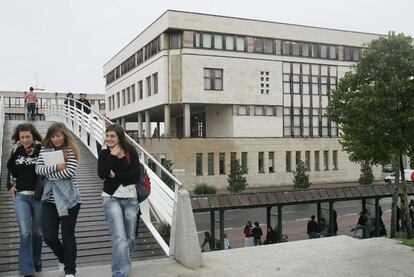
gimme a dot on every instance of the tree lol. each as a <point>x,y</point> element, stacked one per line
<point>300,179</point>
<point>374,106</point>
<point>366,176</point>
<point>167,164</point>
<point>236,180</point>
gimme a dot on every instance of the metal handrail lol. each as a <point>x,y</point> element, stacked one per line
<point>161,200</point>
<point>2,119</point>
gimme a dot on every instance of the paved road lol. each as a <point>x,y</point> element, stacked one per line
<point>238,218</point>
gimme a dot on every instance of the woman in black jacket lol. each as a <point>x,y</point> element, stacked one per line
<point>119,166</point>
<point>21,186</point>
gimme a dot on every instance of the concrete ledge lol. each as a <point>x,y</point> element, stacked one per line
<point>334,256</point>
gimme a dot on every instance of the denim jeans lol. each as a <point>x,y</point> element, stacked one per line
<point>66,249</point>
<point>29,218</point>
<point>31,110</point>
<point>122,216</point>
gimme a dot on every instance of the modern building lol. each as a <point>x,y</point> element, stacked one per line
<point>15,104</point>
<point>204,90</point>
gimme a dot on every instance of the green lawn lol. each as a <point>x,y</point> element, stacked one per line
<point>409,242</point>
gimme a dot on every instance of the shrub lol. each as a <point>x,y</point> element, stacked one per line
<point>204,189</point>
<point>366,176</point>
<point>300,179</point>
<point>237,182</point>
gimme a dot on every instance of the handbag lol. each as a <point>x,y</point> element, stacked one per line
<point>38,191</point>
<point>143,184</point>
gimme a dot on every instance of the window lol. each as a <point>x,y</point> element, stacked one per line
<point>264,82</point>
<point>307,160</point>
<point>315,122</point>
<point>305,84</point>
<point>306,122</point>
<point>270,111</point>
<point>296,83</point>
<point>229,43</point>
<point>133,93</point>
<point>148,86</point>
<point>222,163</point>
<point>261,162</point>
<point>113,102</point>
<point>305,50</point>
<point>110,102</point>
<point>175,40</point>
<point>351,54</point>
<point>242,110</point>
<point>271,162</point>
<point>218,42</point>
<point>326,160</point>
<point>298,158</point>
<point>323,51</point>
<point>324,123</point>
<point>288,161</point>
<point>287,122</point>
<point>155,82</point>
<point>128,92</point>
<point>315,84</point>
<point>213,79</point>
<point>101,104</point>
<point>317,161</point>
<point>334,129</point>
<point>258,45</point>
<point>335,160</point>
<point>199,164</point>
<point>244,161</point>
<point>258,110</point>
<point>197,40</point>
<point>206,40</point>
<point>314,51</point>
<point>233,158</point>
<point>296,122</point>
<point>295,49</point>
<point>324,85</point>
<point>268,46</point>
<point>118,99</point>
<point>286,83</point>
<point>140,90</point>
<point>286,48</point>
<point>332,52</point>
<point>210,164</point>
<point>240,44</point>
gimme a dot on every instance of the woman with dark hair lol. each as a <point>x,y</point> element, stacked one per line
<point>119,166</point>
<point>70,101</point>
<point>61,199</point>
<point>21,186</point>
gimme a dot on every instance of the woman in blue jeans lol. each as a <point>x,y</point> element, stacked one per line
<point>21,186</point>
<point>61,199</point>
<point>119,166</point>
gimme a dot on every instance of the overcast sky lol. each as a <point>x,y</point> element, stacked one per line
<point>64,44</point>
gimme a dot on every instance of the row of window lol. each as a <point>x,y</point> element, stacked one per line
<point>18,102</point>
<point>276,46</point>
<point>307,122</point>
<point>128,95</point>
<point>327,162</point>
<point>135,60</point>
<point>309,78</point>
<point>256,110</point>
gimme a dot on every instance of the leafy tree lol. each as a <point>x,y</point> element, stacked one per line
<point>374,106</point>
<point>236,180</point>
<point>366,176</point>
<point>167,164</point>
<point>300,179</point>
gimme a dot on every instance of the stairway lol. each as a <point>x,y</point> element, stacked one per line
<point>93,238</point>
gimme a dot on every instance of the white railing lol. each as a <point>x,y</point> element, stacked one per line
<point>90,129</point>
<point>2,107</point>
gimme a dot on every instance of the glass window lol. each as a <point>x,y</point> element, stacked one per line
<point>271,162</point>
<point>315,122</point>
<point>326,160</point>
<point>197,40</point>
<point>233,157</point>
<point>314,50</point>
<point>298,157</point>
<point>218,81</point>
<point>332,52</point>
<point>213,79</point>
<point>128,95</point>
<point>240,44</point>
<point>305,84</point>
<point>268,46</point>
<point>296,83</point>
<point>222,165</point>
<point>296,122</point>
<point>347,53</point>
<point>355,54</point>
<point>244,161</point>
<point>288,161</point>
<point>306,123</point>
<point>286,83</point>
<point>140,90</point>
<point>335,159</point>
<point>324,85</point>
<point>175,41</point>
<point>210,164</point>
<point>258,45</point>
<point>287,122</point>
<point>118,99</point>
<point>206,40</point>
<point>133,93</point>
<point>295,48</point>
<point>305,50</point>
<point>315,84</point>
<point>207,79</point>
<point>155,82</point>
<point>317,161</point>
<point>269,110</point>
<point>218,41</point>
<point>199,164</point>
<point>229,43</point>
<point>259,110</point>
<point>261,162</point>
<point>307,160</point>
<point>123,98</point>
<point>149,85</point>
<point>323,51</point>
<point>286,48</point>
<point>242,110</point>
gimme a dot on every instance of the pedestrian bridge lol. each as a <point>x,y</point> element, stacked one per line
<point>166,209</point>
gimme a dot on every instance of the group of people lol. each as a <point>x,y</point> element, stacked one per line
<point>210,243</point>
<point>31,100</point>
<point>320,229</point>
<point>40,213</point>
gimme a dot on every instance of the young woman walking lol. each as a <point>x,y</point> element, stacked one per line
<point>119,166</point>
<point>21,186</point>
<point>61,199</point>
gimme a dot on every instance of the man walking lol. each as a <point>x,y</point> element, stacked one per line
<point>31,100</point>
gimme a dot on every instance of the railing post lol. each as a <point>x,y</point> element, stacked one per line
<point>184,244</point>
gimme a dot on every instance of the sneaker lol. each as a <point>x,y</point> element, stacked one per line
<point>70,275</point>
<point>61,267</point>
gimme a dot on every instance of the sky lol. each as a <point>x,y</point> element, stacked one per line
<point>62,45</point>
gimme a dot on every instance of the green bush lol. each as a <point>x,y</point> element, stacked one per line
<point>300,179</point>
<point>204,189</point>
<point>236,181</point>
<point>366,176</point>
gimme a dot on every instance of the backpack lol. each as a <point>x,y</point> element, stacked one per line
<point>143,184</point>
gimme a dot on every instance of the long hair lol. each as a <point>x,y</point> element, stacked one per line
<point>69,141</point>
<point>26,127</point>
<point>123,142</point>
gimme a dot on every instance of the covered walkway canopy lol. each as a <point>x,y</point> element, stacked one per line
<point>269,199</point>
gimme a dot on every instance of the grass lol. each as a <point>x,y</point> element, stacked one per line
<point>408,242</point>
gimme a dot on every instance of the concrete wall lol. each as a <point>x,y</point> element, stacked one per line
<point>219,121</point>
